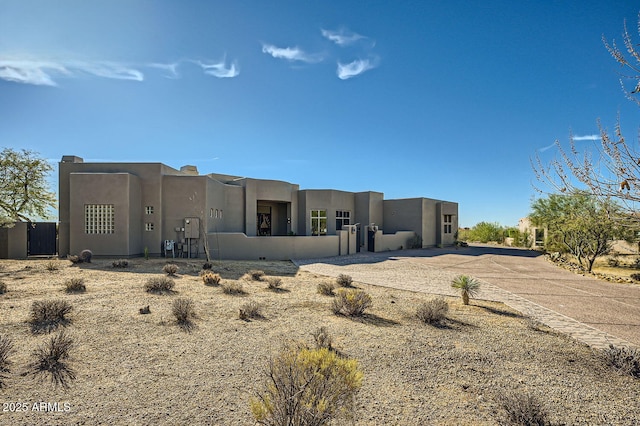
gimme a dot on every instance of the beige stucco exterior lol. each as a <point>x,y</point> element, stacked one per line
<point>239,217</point>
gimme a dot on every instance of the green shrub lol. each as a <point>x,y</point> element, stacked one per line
<point>232,287</point>
<point>250,310</point>
<point>159,285</point>
<point>307,387</point>
<point>47,315</point>
<point>344,280</point>
<point>170,269</point>
<point>120,263</point>
<point>522,410</point>
<point>52,358</point>
<point>6,349</point>
<point>256,275</point>
<point>624,360</point>
<point>75,285</point>
<point>352,303</point>
<point>468,286</point>
<point>326,288</point>
<point>210,278</point>
<point>183,310</point>
<point>274,283</point>
<point>432,311</point>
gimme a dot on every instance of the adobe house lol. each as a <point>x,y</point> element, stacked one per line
<point>125,209</point>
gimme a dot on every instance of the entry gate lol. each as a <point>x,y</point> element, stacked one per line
<point>41,238</point>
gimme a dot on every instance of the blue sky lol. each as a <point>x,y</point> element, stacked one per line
<point>441,99</point>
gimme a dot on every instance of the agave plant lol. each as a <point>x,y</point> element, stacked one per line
<point>468,286</point>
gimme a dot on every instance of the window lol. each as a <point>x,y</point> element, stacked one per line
<point>220,214</point>
<point>216,214</point>
<point>148,226</point>
<point>318,222</point>
<point>211,212</point>
<point>342,218</point>
<point>99,219</point>
<point>148,209</point>
<point>448,221</point>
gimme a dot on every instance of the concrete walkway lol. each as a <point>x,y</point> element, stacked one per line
<point>592,311</point>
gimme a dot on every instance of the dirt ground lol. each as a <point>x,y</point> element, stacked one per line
<point>145,369</point>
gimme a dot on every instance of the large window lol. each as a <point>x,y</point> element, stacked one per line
<point>342,218</point>
<point>448,222</point>
<point>318,222</point>
<point>99,219</point>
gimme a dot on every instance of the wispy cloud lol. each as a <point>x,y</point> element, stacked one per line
<point>171,69</point>
<point>342,37</point>
<point>355,68</point>
<point>219,69</point>
<point>546,148</point>
<point>587,138</point>
<point>291,54</point>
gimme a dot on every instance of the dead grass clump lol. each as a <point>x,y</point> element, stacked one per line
<point>625,361</point>
<point>159,285</point>
<point>120,263</point>
<point>256,275</point>
<point>3,287</point>
<point>326,288</point>
<point>522,410</point>
<point>307,387</point>
<point>47,315</point>
<point>6,349</point>
<point>344,280</point>
<point>75,285</point>
<point>432,311</point>
<point>250,310</point>
<point>51,266</point>
<point>170,269</point>
<point>210,278</point>
<point>352,302</point>
<point>322,338</point>
<point>274,283</point>
<point>52,358</point>
<point>233,287</point>
<point>184,311</point>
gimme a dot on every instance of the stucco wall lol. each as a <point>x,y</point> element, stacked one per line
<point>329,200</point>
<point>13,241</point>
<point>403,215</point>
<point>396,241</point>
<point>239,246</point>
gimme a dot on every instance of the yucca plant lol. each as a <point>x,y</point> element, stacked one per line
<point>468,286</point>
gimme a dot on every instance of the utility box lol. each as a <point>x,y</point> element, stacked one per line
<point>192,227</point>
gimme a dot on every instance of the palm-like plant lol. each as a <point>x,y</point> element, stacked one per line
<point>468,286</point>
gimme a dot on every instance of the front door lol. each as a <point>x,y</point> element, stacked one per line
<point>264,221</point>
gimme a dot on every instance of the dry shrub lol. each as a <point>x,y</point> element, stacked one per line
<point>207,266</point>
<point>210,278</point>
<point>432,311</point>
<point>256,275</point>
<point>170,269</point>
<point>120,263</point>
<point>307,387</point>
<point>6,349</point>
<point>624,360</point>
<point>522,409</point>
<point>635,277</point>
<point>51,266</point>
<point>233,287</point>
<point>159,285</point>
<point>47,315</point>
<point>344,280</point>
<point>274,283</point>
<point>322,338</point>
<point>75,285</point>
<point>184,311</point>
<point>326,288</point>
<point>52,358</point>
<point>250,310</point>
<point>74,259</point>
<point>3,287</point>
<point>145,310</point>
<point>352,302</point>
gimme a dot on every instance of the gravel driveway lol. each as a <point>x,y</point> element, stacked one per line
<point>596,312</point>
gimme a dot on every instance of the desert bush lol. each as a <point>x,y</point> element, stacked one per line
<point>322,338</point>
<point>85,256</point>
<point>232,287</point>
<point>170,269</point>
<point>3,287</point>
<point>326,288</point>
<point>74,259</point>
<point>432,311</point>
<point>184,311</point>
<point>145,310</point>
<point>250,310</point>
<point>344,280</point>
<point>209,278</point>
<point>468,286</point>
<point>47,315</point>
<point>207,266</point>
<point>120,263</point>
<point>75,285</point>
<point>51,266</point>
<point>6,349</point>
<point>613,261</point>
<point>274,283</point>
<point>522,410</point>
<point>351,302</point>
<point>52,358</point>
<point>256,275</point>
<point>635,277</point>
<point>624,360</point>
<point>159,285</point>
<point>307,387</point>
